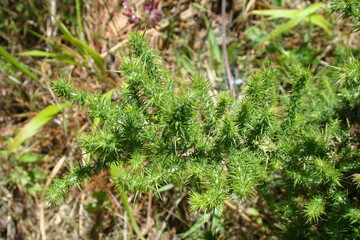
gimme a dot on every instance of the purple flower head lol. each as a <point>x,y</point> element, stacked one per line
<point>149,15</point>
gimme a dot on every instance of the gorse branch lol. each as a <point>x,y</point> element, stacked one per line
<point>224,148</point>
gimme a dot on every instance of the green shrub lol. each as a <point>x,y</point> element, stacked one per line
<point>295,151</point>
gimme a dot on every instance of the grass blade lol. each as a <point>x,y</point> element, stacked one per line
<point>275,13</point>
<point>83,47</point>
<point>215,53</point>
<point>58,46</point>
<point>196,226</point>
<point>39,53</point>
<point>186,62</point>
<point>316,19</point>
<point>23,68</point>
<point>295,20</point>
<point>79,19</point>
<point>319,21</point>
<point>107,96</point>
<point>38,121</point>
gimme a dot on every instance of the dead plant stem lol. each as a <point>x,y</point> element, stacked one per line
<point>225,55</point>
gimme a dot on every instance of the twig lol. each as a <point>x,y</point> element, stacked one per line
<point>242,214</point>
<point>148,215</point>
<point>42,220</point>
<point>81,209</point>
<point>225,56</point>
<point>115,47</point>
<point>51,23</point>
<point>55,171</point>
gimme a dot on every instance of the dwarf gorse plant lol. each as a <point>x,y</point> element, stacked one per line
<point>349,9</point>
<point>294,150</point>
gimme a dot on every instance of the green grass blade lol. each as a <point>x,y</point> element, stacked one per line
<point>320,21</point>
<point>68,61</point>
<point>23,68</point>
<point>165,188</point>
<point>316,19</point>
<point>52,43</point>
<point>215,52</point>
<point>79,19</point>
<point>83,48</point>
<point>196,226</point>
<point>107,96</point>
<point>38,121</point>
<point>37,53</point>
<point>201,8</point>
<point>99,61</point>
<point>275,13</point>
<point>186,62</point>
<point>55,45</point>
<point>68,36</point>
<point>301,15</point>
